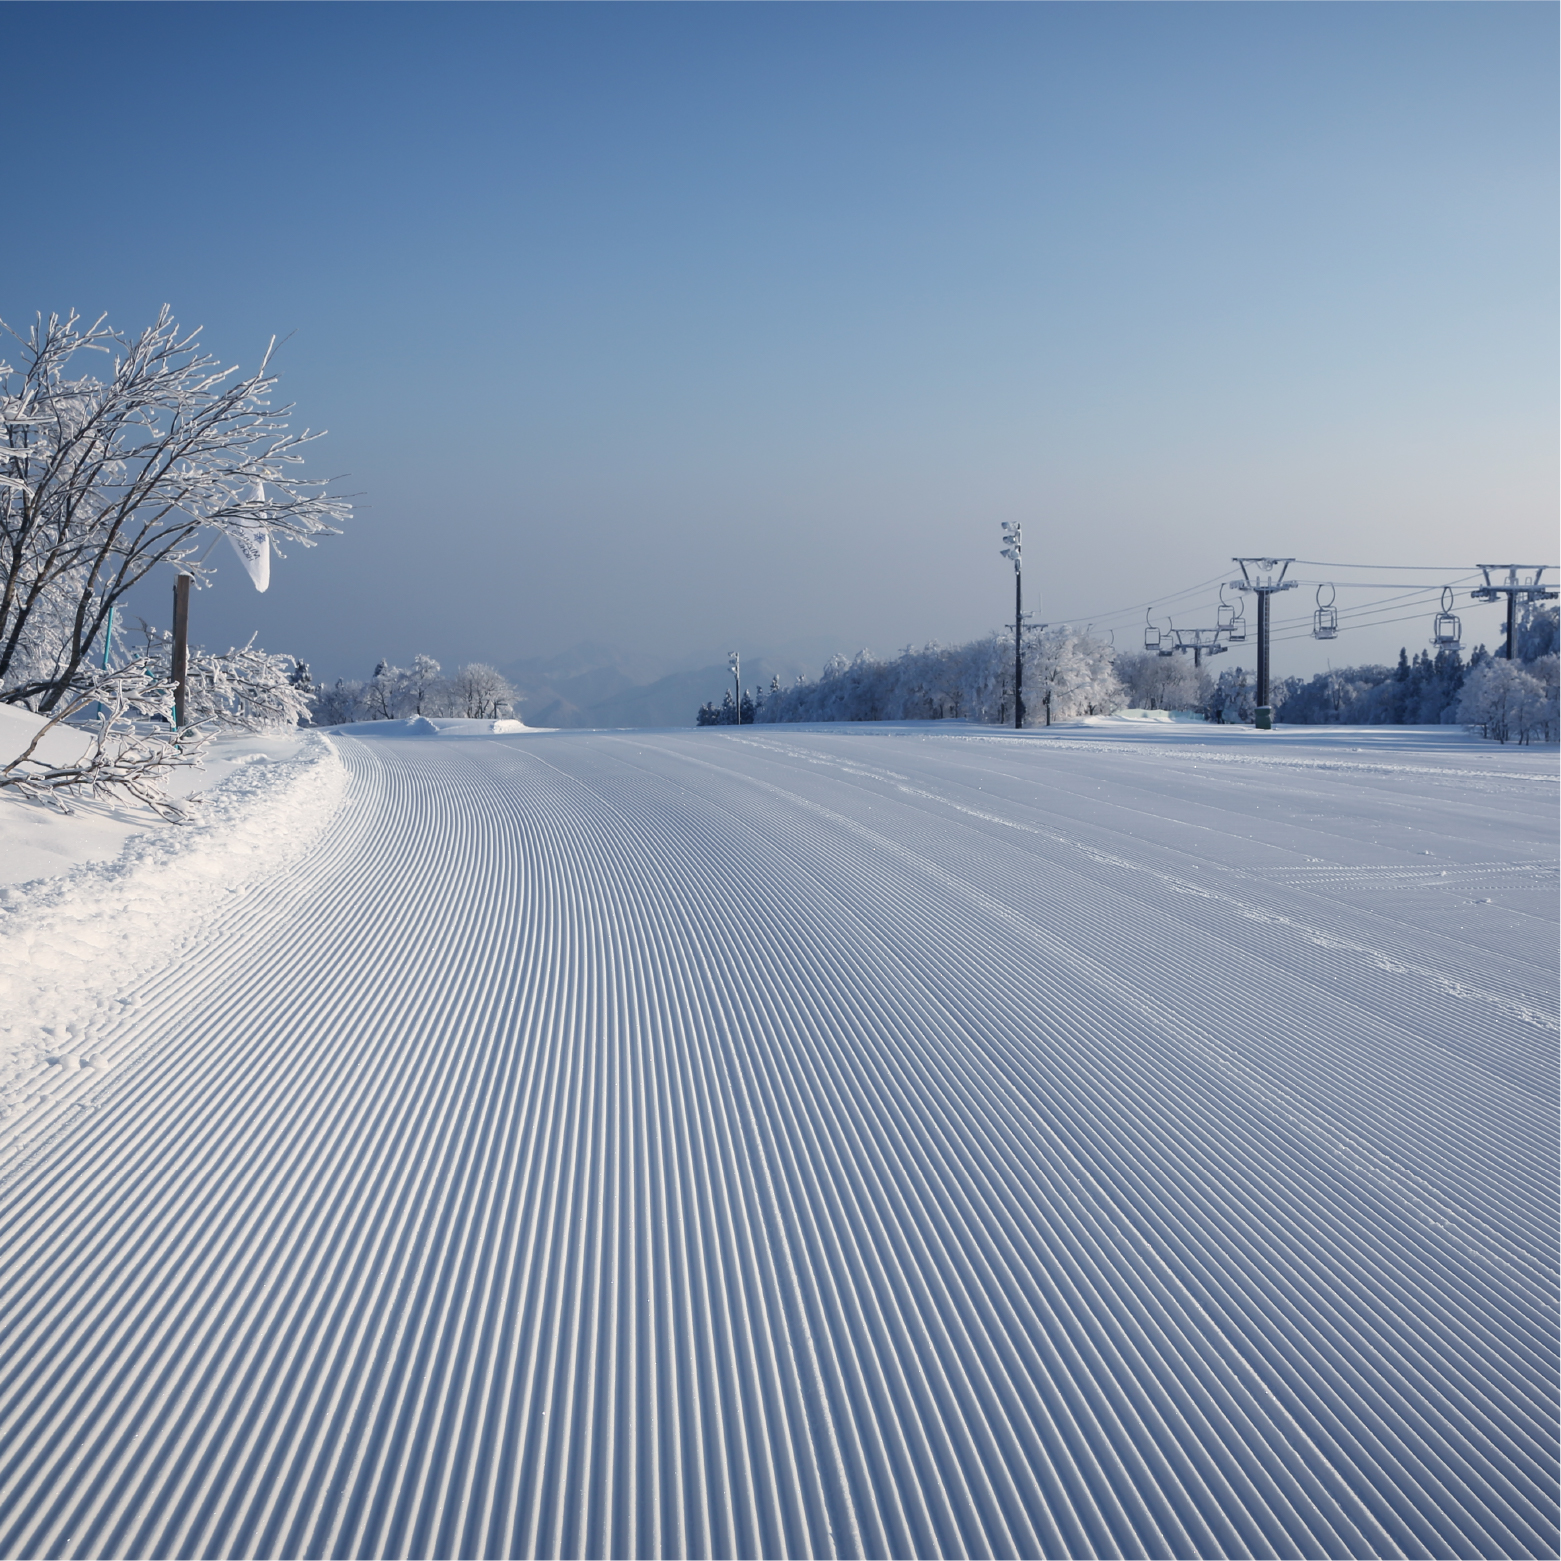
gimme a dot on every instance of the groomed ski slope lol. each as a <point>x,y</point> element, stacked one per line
<point>865,1141</point>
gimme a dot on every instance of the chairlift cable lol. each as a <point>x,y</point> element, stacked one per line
<point>1386,585</point>
<point>1434,569</point>
<point>1424,592</point>
<point>1377,623</point>
<point>1155,601</point>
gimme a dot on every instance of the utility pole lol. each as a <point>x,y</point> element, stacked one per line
<point>1513,588</point>
<point>1012,539</point>
<point>180,665</point>
<point>734,662</point>
<point>1263,576</point>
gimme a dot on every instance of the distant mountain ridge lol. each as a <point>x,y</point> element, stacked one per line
<point>598,685</point>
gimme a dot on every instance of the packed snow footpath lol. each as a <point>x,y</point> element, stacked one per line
<point>1132,1139</point>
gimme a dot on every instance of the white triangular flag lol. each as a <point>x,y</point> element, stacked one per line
<point>252,542</point>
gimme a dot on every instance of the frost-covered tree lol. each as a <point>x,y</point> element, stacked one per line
<point>422,687</point>
<point>1070,673</point>
<point>1546,671</point>
<point>383,693</point>
<point>1539,631</point>
<point>339,704</point>
<point>1154,682</point>
<point>479,692</point>
<point>1506,702</point>
<point>103,478</point>
<point>1232,700</point>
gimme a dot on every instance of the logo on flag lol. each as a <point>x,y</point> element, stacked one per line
<point>252,542</point>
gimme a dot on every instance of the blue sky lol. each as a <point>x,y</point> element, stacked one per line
<point>685,327</point>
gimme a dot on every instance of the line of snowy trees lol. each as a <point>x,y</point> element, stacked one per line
<point>1507,701</point>
<point>1067,672</point>
<point>476,691</point>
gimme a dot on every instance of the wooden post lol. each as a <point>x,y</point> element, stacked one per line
<point>181,646</point>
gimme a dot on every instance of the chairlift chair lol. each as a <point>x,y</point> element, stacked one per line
<point>1325,621</point>
<point>1152,636</point>
<point>1446,630</point>
<point>1228,619</point>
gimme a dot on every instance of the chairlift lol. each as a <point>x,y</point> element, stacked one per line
<point>1446,630</point>
<point>1325,621</point>
<point>1152,636</point>
<point>1237,631</point>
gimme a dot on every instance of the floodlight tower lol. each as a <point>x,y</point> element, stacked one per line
<point>1515,587</point>
<point>1012,539</point>
<point>1263,576</point>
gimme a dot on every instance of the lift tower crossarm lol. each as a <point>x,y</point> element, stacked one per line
<point>1263,576</point>
<point>1515,588</point>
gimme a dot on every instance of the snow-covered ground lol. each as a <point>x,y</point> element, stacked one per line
<point>1137,1138</point>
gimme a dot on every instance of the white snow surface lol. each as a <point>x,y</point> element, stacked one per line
<point>1133,1139</point>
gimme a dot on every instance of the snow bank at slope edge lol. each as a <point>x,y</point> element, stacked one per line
<point>71,946</point>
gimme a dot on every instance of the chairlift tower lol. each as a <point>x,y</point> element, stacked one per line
<point>1201,642</point>
<point>734,664</point>
<point>1263,577</point>
<point>1012,540</point>
<point>1515,588</point>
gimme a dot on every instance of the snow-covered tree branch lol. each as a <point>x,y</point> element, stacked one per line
<point>102,479</point>
<point>129,750</point>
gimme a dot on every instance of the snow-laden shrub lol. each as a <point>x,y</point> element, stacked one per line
<point>242,688</point>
